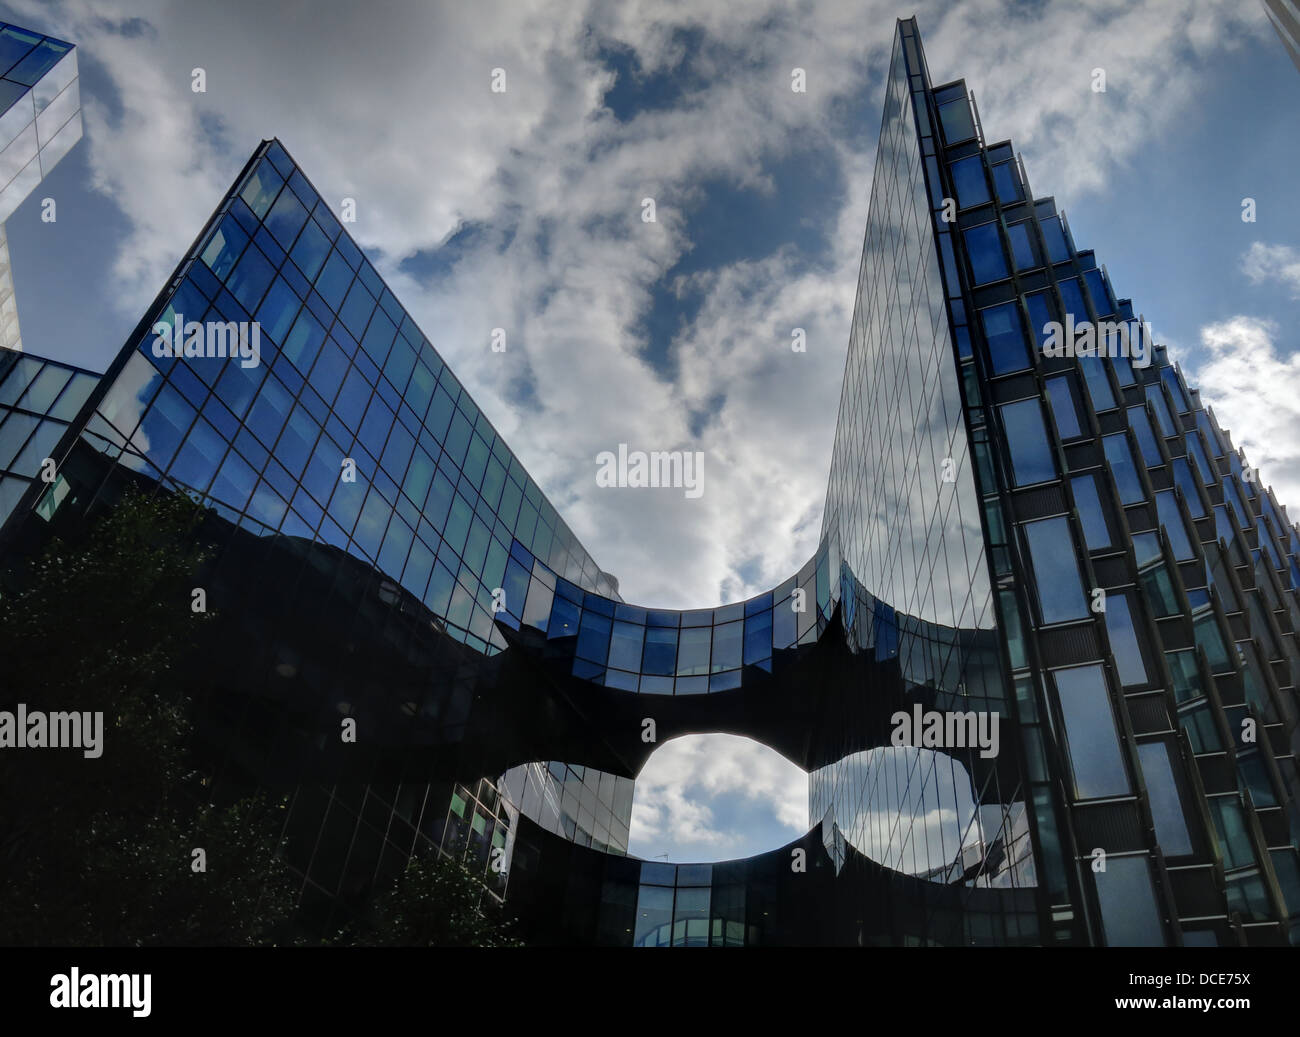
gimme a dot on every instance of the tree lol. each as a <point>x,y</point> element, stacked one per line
<point>100,851</point>
<point>437,903</point>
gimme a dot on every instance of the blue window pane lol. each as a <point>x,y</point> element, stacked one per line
<point>1170,377</point>
<point>1026,436</point>
<point>310,251</point>
<point>374,429</point>
<point>660,650</point>
<point>304,341</point>
<point>1022,248</point>
<point>727,646</point>
<point>1095,757</point>
<point>250,279</point>
<point>1129,913</point>
<point>1124,641</point>
<point>1056,572</point>
<point>1054,236</point>
<point>1162,794</point>
<point>1040,317</point>
<point>1119,458</point>
<point>38,62</point>
<point>1005,337</point>
<point>224,247</point>
<point>1072,297</point>
<point>400,362</point>
<point>956,119</point>
<point>1141,425</point>
<point>625,646</point>
<point>693,651</point>
<point>1163,418</point>
<point>758,637</point>
<point>1101,300</point>
<point>334,280</point>
<point>1008,184</point>
<point>270,410</point>
<point>1184,481</point>
<point>357,308</point>
<point>278,310</point>
<point>1171,518</point>
<point>286,218</point>
<point>1203,470</point>
<point>984,245</point>
<point>237,386</point>
<point>397,452</point>
<point>45,389</point>
<point>260,191</point>
<point>234,482</point>
<point>79,391</point>
<point>593,637</point>
<point>15,44</point>
<point>1099,389</point>
<point>1092,518</point>
<point>199,457</point>
<point>968,176</point>
<point>1063,409</point>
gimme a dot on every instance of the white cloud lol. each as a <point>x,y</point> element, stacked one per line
<point>678,798</point>
<point>1263,263</point>
<point>1255,393</point>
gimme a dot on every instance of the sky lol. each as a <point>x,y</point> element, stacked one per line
<point>522,210</point>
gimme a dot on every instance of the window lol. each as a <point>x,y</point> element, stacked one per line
<point>1141,425</point>
<point>1101,300</point>
<point>1072,298</point>
<point>1184,481</point>
<point>1096,760</point>
<point>1234,839</point>
<point>1092,516</point>
<point>1162,794</point>
<point>1057,249</point>
<point>987,261</point>
<point>956,119</point>
<point>1157,400</point>
<point>1129,913</point>
<point>1008,184</point>
<point>1022,248</point>
<point>968,176</point>
<point>660,650</point>
<point>1040,316</point>
<point>1061,396</point>
<point>693,651</point>
<point>1031,454</point>
<point>1119,457</point>
<point>625,646</point>
<point>727,647</point>
<point>1056,571</point>
<point>1124,640</point>
<point>1171,517</point>
<point>1094,373</point>
<point>1006,339</point>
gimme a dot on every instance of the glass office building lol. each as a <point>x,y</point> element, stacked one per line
<point>1063,550</point>
<point>40,121</point>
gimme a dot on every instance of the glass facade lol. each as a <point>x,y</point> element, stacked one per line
<point>40,121</point>
<point>38,401</point>
<point>1061,557</point>
<point>1146,581</point>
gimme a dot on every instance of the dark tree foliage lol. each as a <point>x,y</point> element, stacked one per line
<point>100,851</point>
<point>436,903</point>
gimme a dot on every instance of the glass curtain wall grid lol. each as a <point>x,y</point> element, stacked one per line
<point>1103,479</point>
<point>40,121</point>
